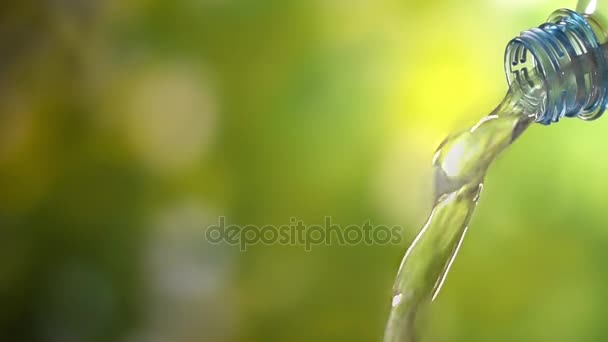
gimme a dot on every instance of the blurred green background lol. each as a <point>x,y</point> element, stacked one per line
<point>127,127</point>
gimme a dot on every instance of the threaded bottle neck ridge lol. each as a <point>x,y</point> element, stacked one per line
<point>563,56</point>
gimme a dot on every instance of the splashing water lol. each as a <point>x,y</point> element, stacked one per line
<point>459,167</point>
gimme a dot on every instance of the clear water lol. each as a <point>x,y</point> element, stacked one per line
<point>459,167</point>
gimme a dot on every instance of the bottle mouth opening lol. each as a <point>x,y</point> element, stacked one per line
<point>523,67</point>
<point>525,74</point>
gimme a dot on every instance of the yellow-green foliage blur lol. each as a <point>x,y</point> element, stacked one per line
<point>127,128</point>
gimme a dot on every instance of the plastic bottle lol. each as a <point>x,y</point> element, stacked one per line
<point>569,55</point>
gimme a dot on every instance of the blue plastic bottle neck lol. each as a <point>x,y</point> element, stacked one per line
<point>564,57</point>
